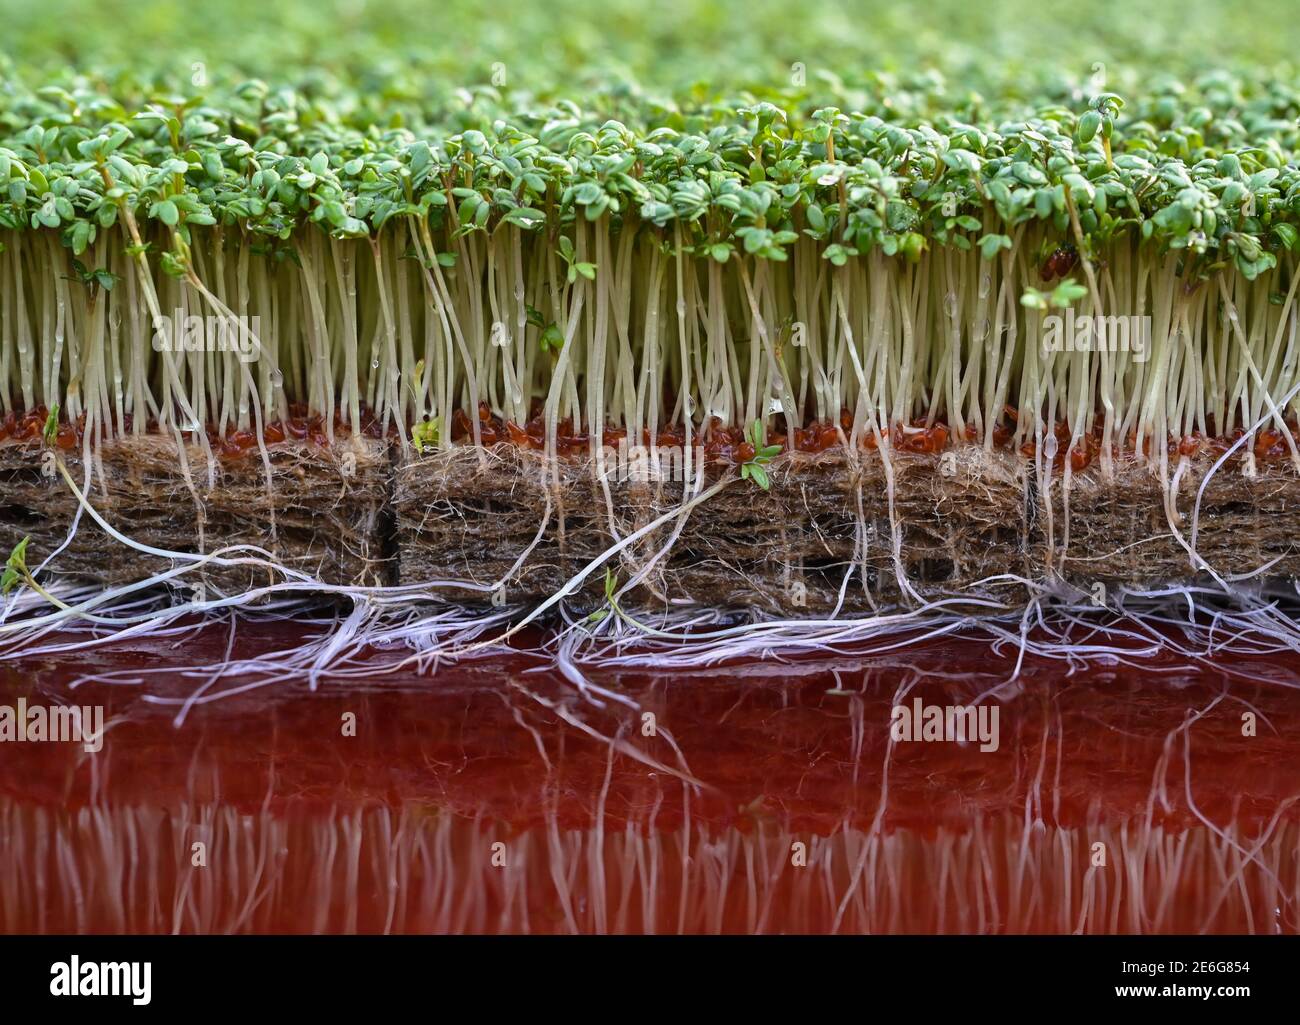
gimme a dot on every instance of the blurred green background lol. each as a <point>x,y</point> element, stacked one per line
<point>679,47</point>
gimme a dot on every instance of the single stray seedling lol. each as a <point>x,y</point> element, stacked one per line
<point>612,605</point>
<point>416,380</point>
<point>15,567</point>
<point>763,454</point>
<point>426,434</point>
<point>16,572</point>
<point>51,429</point>
<point>611,598</point>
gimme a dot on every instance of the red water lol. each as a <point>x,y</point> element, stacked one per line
<point>692,827</point>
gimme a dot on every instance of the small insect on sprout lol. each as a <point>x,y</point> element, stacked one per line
<point>752,468</point>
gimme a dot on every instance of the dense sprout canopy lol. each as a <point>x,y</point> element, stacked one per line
<point>746,125</point>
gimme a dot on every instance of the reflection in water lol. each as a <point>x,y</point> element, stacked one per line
<point>490,796</point>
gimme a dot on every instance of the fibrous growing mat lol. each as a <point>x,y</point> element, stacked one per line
<point>506,525</point>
